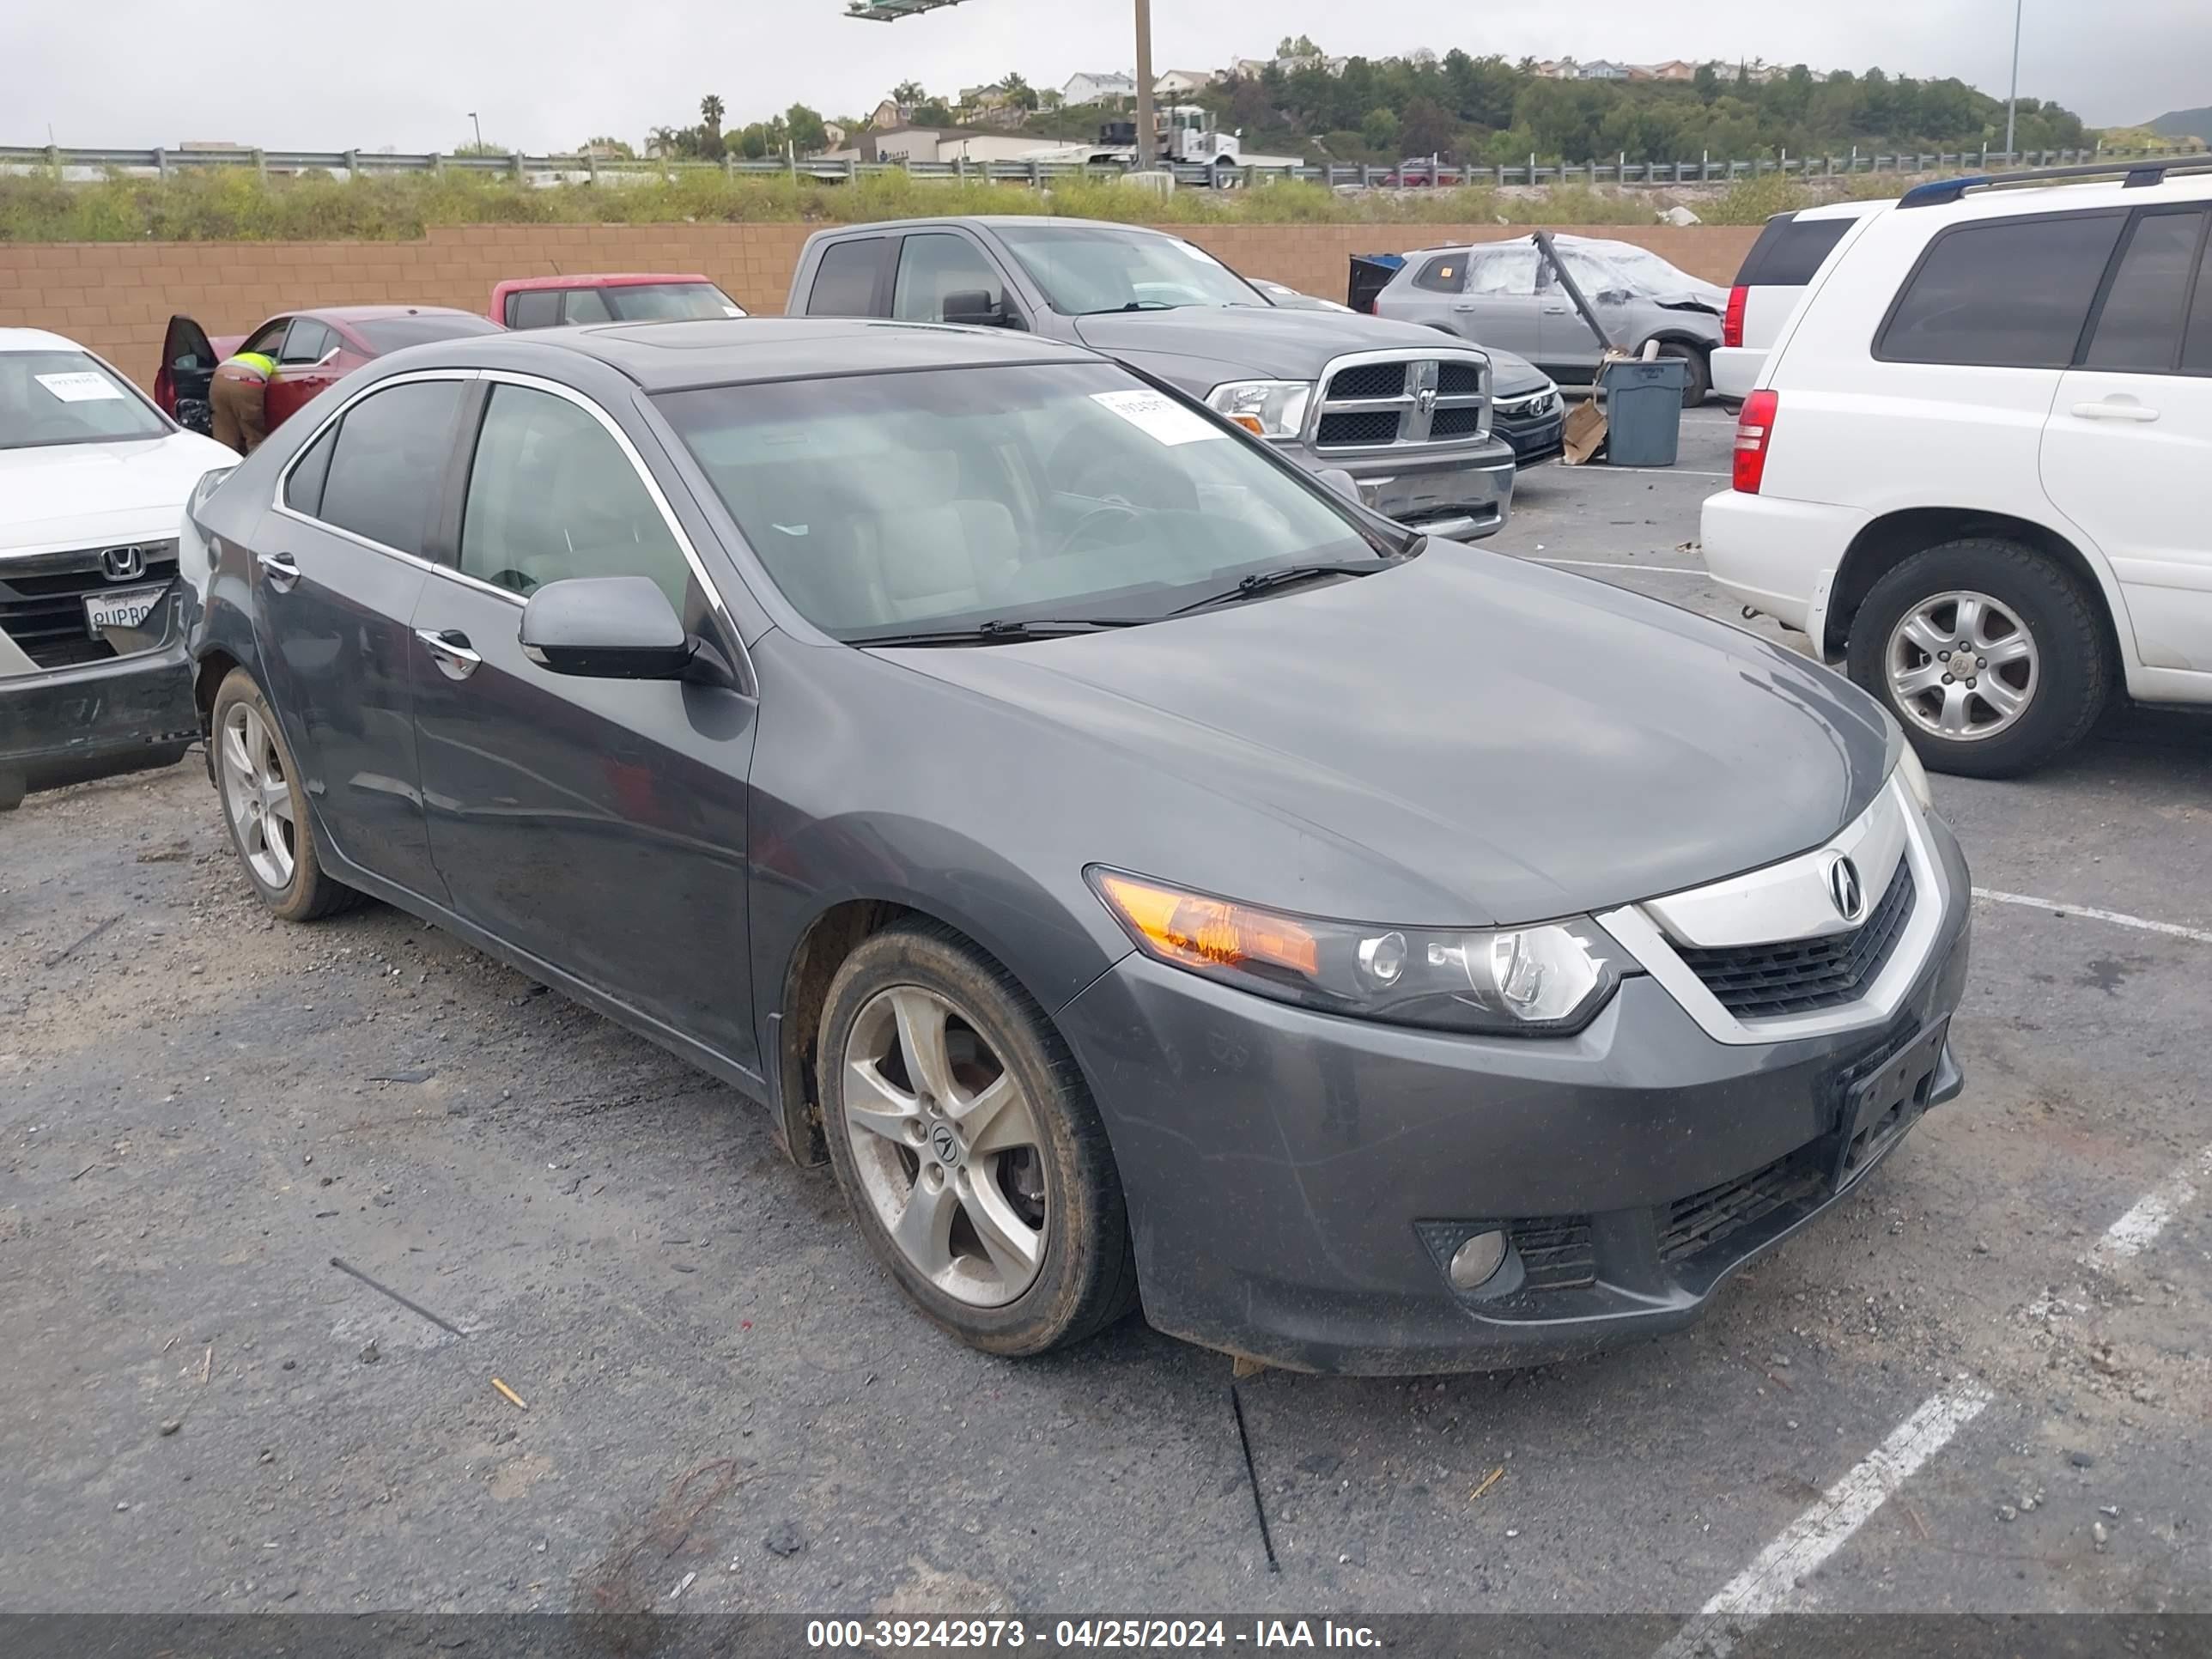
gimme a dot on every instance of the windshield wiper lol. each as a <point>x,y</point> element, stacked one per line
<point>1262,581</point>
<point>1002,631</point>
<point>1137,305</point>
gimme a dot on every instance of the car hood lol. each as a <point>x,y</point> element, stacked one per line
<point>1461,740</point>
<point>1514,377</point>
<point>80,494</point>
<point>1269,343</point>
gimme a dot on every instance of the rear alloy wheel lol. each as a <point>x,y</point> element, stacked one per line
<point>968,1149</point>
<point>1990,655</point>
<point>265,808</point>
<point>1701,372</point>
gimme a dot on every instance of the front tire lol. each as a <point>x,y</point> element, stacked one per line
<point>264,807</point>
<point>1992,657</point>
<point>968,1147</point>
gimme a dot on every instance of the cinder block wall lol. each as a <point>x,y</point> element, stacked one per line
<point>116,297</point>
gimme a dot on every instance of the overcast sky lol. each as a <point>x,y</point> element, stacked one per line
<point>546,74</point>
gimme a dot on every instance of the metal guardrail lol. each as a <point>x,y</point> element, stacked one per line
<point>577,168</point>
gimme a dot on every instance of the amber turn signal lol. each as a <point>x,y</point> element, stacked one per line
<point>1208,932</point>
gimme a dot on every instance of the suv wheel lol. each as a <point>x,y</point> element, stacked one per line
<point>1990,656</point>
<point>265,808</point>
<point>968,1148</point>
<point>1701,371</point>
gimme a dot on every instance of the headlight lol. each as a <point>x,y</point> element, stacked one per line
<point>1545,980</point>
<point>1268,408</point>
<point>1915,775</point>
<point>206,487</point>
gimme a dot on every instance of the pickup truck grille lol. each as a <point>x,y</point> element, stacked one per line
<point>1386,404</point>
<point>42,600</point>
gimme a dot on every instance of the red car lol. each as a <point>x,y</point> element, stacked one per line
<point>612,297</point>
<point>313,348</point>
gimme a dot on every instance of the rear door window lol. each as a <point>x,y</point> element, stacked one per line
<point>2139,326</point>
<point>303,490</point>
<point>1508,271</point>
<point>846,284</point>
<point>306,343</point>
<point>2196,342</point>
<point>1790,251</point>
<point>1445,273</point>
<point>386,472</point>
<point>2007,293</point>
<point>534,307</point>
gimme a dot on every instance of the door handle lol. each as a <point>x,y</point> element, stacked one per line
<point>1463,306</point>
<point>279,568</point>
<point>450,651</point>
<point>1556,311</point>
<point>2111,409</point>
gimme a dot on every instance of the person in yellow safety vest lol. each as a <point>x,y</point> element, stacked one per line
<point>238,399</point>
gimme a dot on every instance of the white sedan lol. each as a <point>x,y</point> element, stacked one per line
<point>94,479</point>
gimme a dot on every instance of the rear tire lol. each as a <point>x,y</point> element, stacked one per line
<point>264,807</point>
<point>1008,1230</point>
<point>2037,669</point>
<point>1701,370</point>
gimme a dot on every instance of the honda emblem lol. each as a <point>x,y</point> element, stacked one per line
<point>123,564</point>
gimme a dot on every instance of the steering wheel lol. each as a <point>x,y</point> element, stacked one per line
<point>1097,515</point>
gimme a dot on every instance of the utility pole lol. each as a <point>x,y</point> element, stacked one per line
<point>472,116</point>
<point>1145,154</point>
<point>2012,98</point>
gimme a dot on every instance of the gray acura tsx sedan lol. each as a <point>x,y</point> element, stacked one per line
<point>1143,873</point>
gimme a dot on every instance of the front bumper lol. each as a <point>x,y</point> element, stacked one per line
<point>64,726</point>
<point>1295,1180</point>
<point>1535,439</point>
<point>1461,492</point>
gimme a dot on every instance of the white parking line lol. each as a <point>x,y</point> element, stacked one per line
<point>1770,1584</point>
<point>2133,1232</point>
<point>1600,467</point>
<point>2117,918</point>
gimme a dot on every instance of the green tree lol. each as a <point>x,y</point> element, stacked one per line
<point>907,93</point>
<point>1019,93</point>
<point>1428,129</point>
<point>1707,81</point>
<point>613,147</point>
<point>706,143</point>
<point>1380,130</point>
<point>804,129</point>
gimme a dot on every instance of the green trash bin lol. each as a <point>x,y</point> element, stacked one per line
<point>1643,411</point>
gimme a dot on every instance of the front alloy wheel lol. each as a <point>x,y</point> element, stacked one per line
<point>257,796</point>
<point>967,1145</point>
<point>946,1147</point>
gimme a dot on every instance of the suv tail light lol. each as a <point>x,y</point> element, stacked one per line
<point>1754,430</point>
<point>1732,319</point>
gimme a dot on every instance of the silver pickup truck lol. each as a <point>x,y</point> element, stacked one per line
<point>1403,409</point>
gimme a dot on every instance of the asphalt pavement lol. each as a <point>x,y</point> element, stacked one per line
<point>1979,1385</point>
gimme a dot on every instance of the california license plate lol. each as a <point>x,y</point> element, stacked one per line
<point>126,607</point>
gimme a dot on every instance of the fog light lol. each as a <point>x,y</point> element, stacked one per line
<point>1475,1261</point>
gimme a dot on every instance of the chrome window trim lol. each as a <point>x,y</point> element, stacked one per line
<point>532,383</point>
<point>1894,827</point>
<point>1444,352</point>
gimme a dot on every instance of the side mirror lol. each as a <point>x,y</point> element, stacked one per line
<point>1340,481</point>
<point>607,628</point>
<point>976,308</point>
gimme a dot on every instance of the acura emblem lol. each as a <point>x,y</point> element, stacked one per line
<point>123,564</point>
<point>1845,890</point>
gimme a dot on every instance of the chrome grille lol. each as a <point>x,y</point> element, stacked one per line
<point>1797,976</point>
<point>42,600</point>
<point>1385,402</point>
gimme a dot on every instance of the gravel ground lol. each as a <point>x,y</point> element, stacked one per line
<point>200,1109</point>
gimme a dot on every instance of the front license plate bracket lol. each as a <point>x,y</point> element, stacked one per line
<point>1880,1107</point>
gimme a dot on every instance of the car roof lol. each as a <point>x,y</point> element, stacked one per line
<point>602,279</point>
<point>2063,196</point>
<point>991,222</point>
<point>735,351</point>
<point>35,339</point>
<point>1846,209</point>
<point>370,313</point>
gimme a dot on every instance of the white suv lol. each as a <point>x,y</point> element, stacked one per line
<point>1975,465</point>
<point>1773,277</point>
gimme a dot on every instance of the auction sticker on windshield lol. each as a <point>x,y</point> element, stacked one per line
<point>1160,418</point>
<point>81,387</point>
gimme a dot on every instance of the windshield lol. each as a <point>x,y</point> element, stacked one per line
<point>942,499</point>
<point>394,333</point>
<point>68,398</point>
<point>1086,268</point>
<point>669,302</point>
